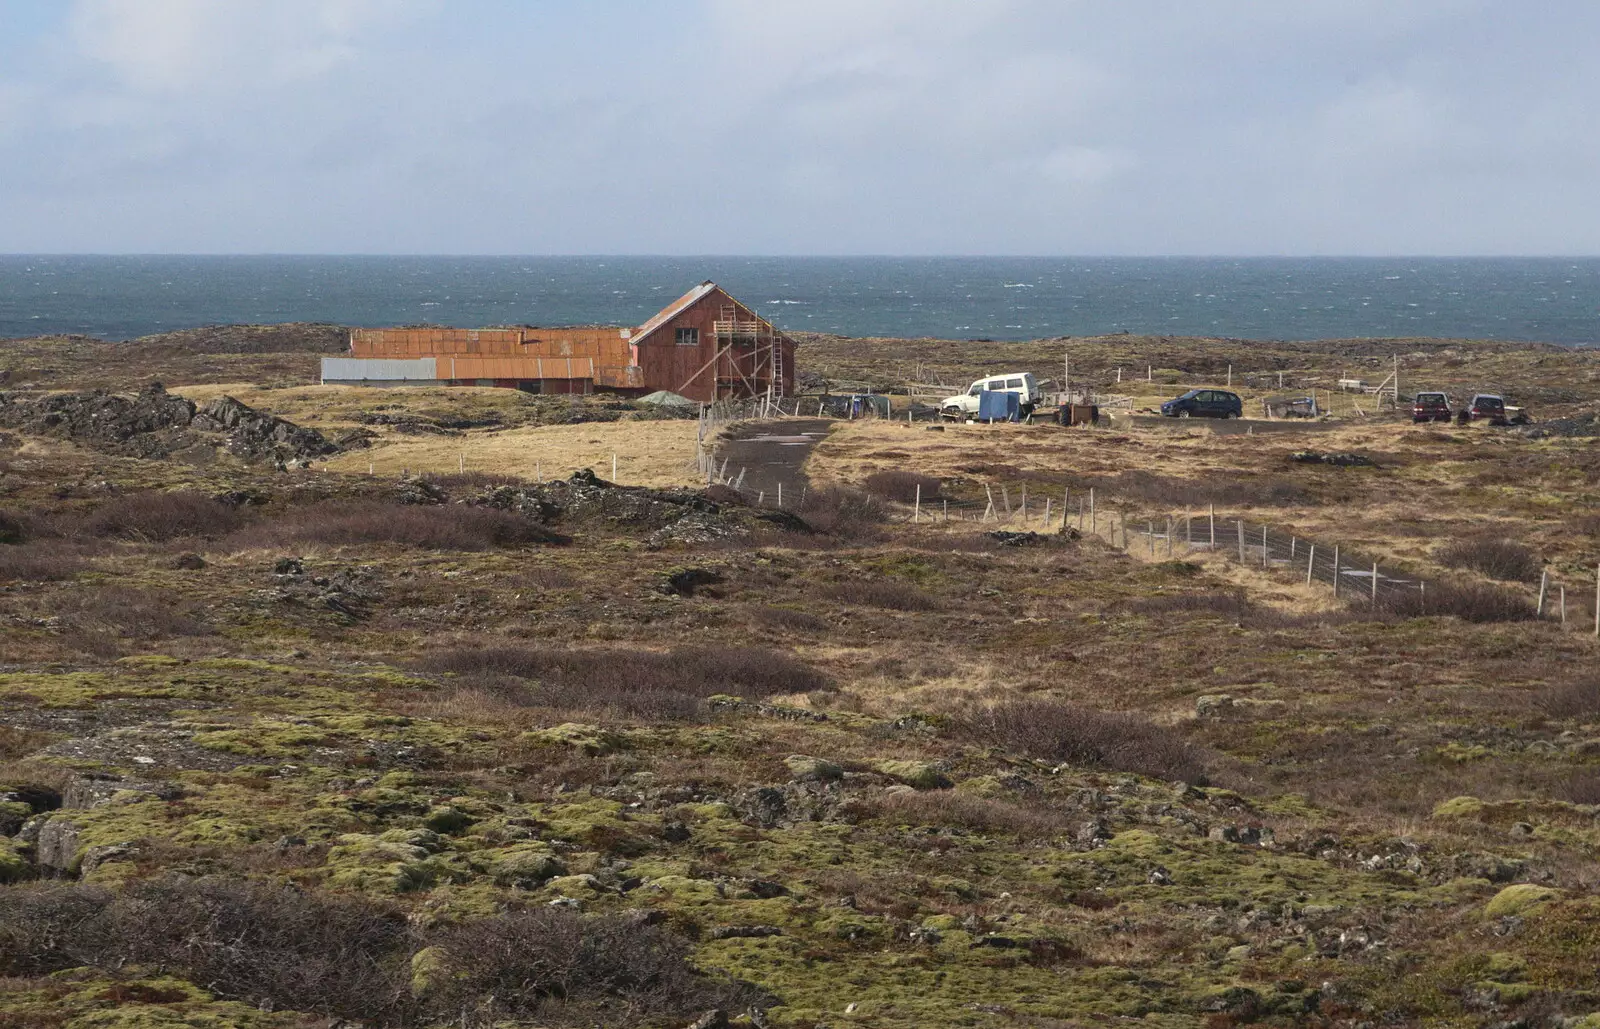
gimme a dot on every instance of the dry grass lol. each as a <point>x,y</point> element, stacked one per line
<point>656,453</point>
<point>353,522</point>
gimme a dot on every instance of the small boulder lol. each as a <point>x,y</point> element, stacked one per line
<point>57,847</point>
<point>812,769</point>
<point>919,775</point>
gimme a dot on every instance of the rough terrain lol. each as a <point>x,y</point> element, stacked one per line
<point>315,746</point>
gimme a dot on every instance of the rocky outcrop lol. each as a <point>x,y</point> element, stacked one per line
<point>255,436</point>
<point>672,516</point>
<point>156,424</point>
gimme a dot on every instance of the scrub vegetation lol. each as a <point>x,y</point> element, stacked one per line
<point>290,749</point>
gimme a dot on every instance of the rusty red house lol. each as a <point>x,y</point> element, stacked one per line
<point>705,345</point>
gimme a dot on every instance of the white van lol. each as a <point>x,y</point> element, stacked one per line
<point>965,405</point>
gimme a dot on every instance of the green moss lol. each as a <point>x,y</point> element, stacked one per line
<point>265,739</point>
<point>81,999</point>
<point>12,865</point>
<point>430,969</point>
<point>523,865</point>
<point>1458,807</point>
<point>1520,899</point>
<point>447,820</point>
<point>589,739</point>
<point>376,864</point>
<point>809,769</point>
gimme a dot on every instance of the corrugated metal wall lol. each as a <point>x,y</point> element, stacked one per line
<point>367,369</point>
<point>515,368</point>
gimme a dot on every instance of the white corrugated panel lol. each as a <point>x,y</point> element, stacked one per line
<point>378,369</point>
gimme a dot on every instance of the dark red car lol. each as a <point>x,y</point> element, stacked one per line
<point>1488,407</point>
<point>1431,407</point>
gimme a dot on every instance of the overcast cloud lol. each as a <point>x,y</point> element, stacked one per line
<point>800,126</point>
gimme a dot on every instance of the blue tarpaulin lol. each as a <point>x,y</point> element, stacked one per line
<point>999,406</point>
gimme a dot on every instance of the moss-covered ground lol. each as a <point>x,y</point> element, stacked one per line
<point>1343,819</point>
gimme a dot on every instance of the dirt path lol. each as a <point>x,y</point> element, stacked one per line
<point>772,453</point>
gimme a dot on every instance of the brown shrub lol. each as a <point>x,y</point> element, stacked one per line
<point>543,577</point>
<point>638,683</point>
<point>884,593</point>
<point>557,964</point>
<point>1057,731</point>
<point>788,619</point>
<point>1582,787</point>
<point>1227,604</point>
<point>901,486</point>
<point>1578,700</point>
<point>846,513</point>
<point>128,612</point>
<point>441,527</point>
<point>1174,492</point>
<point>154,516</point>
<point>38,562</point>
<point>1505,560</point>
<point>276,946</point>
<point>1470,602</point>
<point>12,529</point>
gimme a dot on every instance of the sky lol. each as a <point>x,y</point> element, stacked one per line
<point>1037,127</point>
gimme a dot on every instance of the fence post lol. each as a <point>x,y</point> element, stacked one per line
<point>761,498</point>
<point>780,494</point>
<point>1171,525</point>
<point>1094,521</point>
<point>1238,527</point>
<point>990,494</point>
<point>1336,570</point>
<point>1294,547</point>
<point>1563,606</point>
<point>613,466</point>
<point>1374,585</point>
<point>916,512</point>
<point>1544,584</point>
<point>1150,537</point>
<point>1422,594</point>
<point>1005,498</point>
<point>538,472</point>
<point>1213,526</point>
<point>1264,562</point>
<point>1311,563</point>
<point>1024,505</point>
<point>1047,514</point>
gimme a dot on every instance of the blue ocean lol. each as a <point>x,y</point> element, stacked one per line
<point>1553,300</point>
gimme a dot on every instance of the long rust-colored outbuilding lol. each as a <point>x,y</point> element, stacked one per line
<point>705,345</point>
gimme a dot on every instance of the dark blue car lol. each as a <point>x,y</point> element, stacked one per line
<point>1204,403</point>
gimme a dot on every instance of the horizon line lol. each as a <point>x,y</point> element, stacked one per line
<point>814,257</point>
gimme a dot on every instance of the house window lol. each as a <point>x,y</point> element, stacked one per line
<point>686,337</point>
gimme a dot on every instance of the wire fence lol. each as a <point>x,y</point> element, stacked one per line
<point>1354,575</point>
